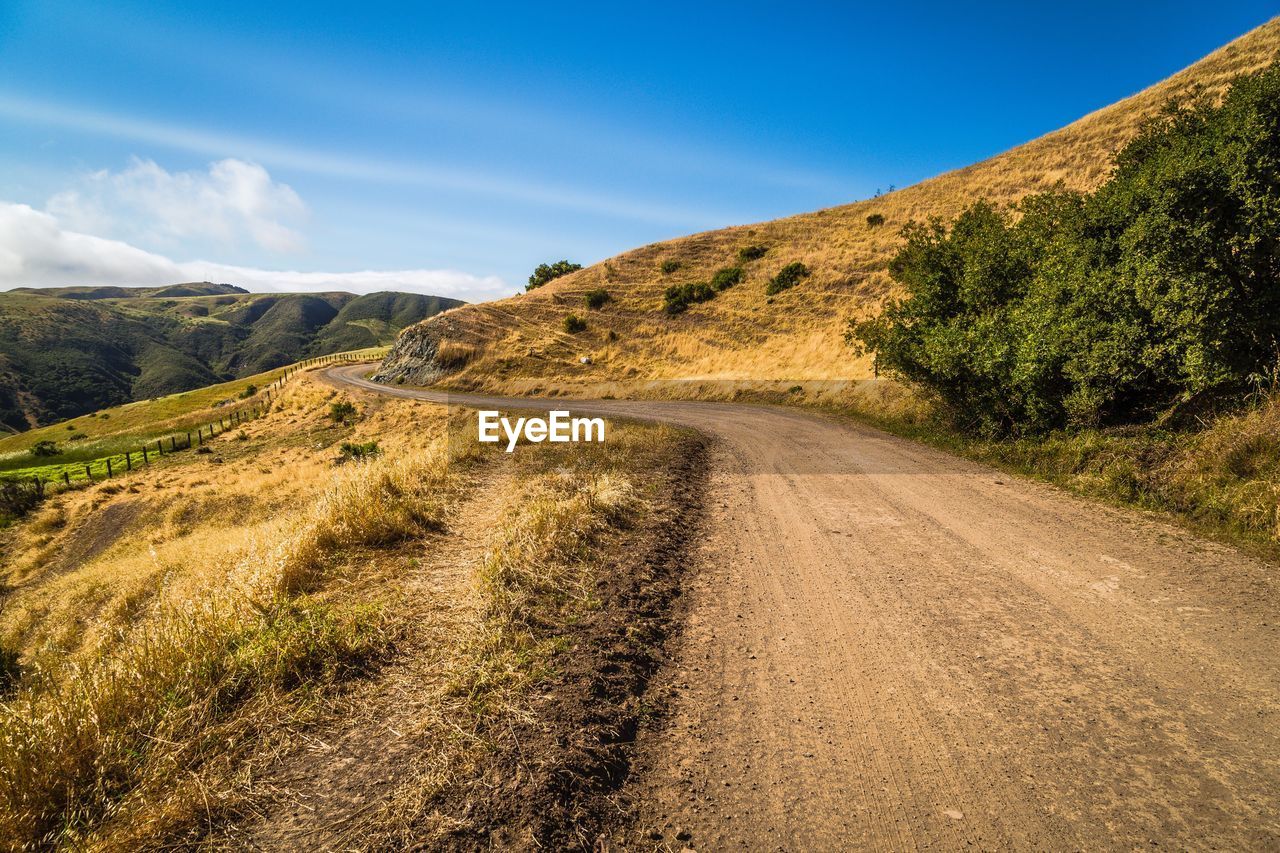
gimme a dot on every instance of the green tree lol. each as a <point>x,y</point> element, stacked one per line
<point>547,272</point>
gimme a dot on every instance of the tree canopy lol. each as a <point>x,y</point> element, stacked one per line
<point>546,272</point>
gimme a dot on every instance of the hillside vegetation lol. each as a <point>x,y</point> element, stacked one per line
<point>68,351</point>
<point>519,345</point>
<point>1156,292</point>
<point>174,642</point>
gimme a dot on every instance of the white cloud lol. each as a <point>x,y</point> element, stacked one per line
<point>36,251</point>
<point>232,201</point>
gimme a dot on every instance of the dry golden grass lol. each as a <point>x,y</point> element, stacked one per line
<point>169,620</point>
<point>796,336</point>
<point>178,627</point>
<point>544,547</point>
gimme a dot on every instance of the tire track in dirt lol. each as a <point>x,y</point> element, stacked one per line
<point>888,647</point>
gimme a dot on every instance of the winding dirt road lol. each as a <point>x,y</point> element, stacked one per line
<point>891,648</point>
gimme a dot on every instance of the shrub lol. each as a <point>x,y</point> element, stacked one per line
<point>45,447</point>
<point>574,324</point>
<point>669,266</point>
<point>17,498</point>
<point>10,670</point>
<point>596,298</point>
<point>747,254</point>
<point>77,436</point>
<point>547,272</point>
<point>1154,294</point>
<point>726,278</point>
<point>787,277</point>
<point>678,297</point>
<point>350,451</point>
<point>248,391</point>
<point>875,220</point>
<point>342,412</point>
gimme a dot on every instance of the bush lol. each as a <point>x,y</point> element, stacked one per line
<point>875,220</point>
<point>574,324</point>
<point>669,266</point>
<point>45,447</point>
<point>17,498</point>
<point>1154,295</point>
<point>248,391</point>
<point>10,670</point>
<point>342,412</point>
<point>596,298</point>
<point>747,254</point>
<point>350,451</point>
<point>77,436</point>
<point>678,297</point>
<point>547,272</point>
<point>726,278</point>
<point>787,277</point>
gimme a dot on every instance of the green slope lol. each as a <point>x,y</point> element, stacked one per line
<point>68,351</point>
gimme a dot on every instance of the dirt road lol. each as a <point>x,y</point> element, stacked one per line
<point>890,648</point>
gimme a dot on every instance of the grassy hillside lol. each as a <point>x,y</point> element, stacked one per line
<point>174,642</point>
<point>520,344</point>
<point>68,351</point>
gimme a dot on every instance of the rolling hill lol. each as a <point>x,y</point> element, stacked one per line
<point>68,351</point>
<point>520,345</point>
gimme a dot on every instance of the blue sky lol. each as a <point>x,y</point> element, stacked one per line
<point>453,147</point>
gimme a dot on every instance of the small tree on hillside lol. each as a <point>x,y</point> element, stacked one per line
<point>547,272</point>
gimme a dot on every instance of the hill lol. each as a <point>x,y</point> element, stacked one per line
<point>520,345</point>
<point>68,351</point>
<point>195,288</point>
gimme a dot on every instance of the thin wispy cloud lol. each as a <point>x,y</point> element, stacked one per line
<point>30,111</point>
<point>356,91</point>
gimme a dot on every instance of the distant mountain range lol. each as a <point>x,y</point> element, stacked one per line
<point>70,350</point>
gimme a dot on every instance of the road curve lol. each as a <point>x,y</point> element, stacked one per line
<point>891,648</point>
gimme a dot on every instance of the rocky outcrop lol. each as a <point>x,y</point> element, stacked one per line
<point>414,358</point>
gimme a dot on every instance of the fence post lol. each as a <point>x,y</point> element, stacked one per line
<point>199,435</point>
<point>108,467</point>
<point>159,447</point>
<point>66,477</point>
<point>39,488</point>
<point>188,441</point>
<point>88,474</point>
<point>128,460</point>
<point>173,444</point>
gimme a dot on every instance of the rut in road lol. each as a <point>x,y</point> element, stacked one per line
<point>888,647</point>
